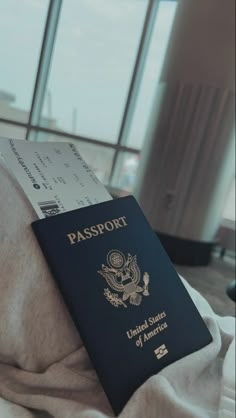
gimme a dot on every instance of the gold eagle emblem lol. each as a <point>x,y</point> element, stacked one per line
<point>123,275</point>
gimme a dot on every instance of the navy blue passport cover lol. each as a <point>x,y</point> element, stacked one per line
<point>132,311</point>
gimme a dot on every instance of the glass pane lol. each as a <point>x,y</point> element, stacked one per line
<point>21,33</point>
<point>125,171</point>
<point>98,157</point>
<point>12,131</point>
<point>154,62</point>
<point>229,209</point>
<point>92,65</point>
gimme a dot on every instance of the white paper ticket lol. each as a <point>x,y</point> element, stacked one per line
<point>53,175</point>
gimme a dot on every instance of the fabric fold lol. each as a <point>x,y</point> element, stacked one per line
<point>45,371</point>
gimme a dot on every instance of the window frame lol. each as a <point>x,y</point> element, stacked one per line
<point>33,127</point>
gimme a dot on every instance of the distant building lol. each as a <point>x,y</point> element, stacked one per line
<point>10,112</point>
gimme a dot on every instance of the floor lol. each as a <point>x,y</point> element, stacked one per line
<point>211,282</point>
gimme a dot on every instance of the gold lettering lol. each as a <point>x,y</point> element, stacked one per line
<point>109,223</point>
<point>87,233</point>
<point>116,223</point>
<point>139,328</point>
<point>123,220</point>
<point>80,236</point>
<point>153,319</point>
<point>72,238</point>
<point>100,227</point>
<point>94,230</point>
<point>129,333</point>
<point>160,328</point>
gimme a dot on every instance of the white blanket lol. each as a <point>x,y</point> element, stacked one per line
<point>44,368</point>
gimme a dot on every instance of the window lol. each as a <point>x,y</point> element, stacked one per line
<point>92,65</point>
<point>125,171</point>
<point>153,66</point>
<point>21,33</point>
<point>229,209</point>
<point>84,71</point>
<point>11,131</point>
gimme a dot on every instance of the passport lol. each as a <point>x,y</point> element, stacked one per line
<point>131,309</point>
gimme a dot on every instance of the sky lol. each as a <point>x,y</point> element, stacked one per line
<point>92,63</point>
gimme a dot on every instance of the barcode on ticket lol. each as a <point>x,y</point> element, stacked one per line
<point>49,208</point>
